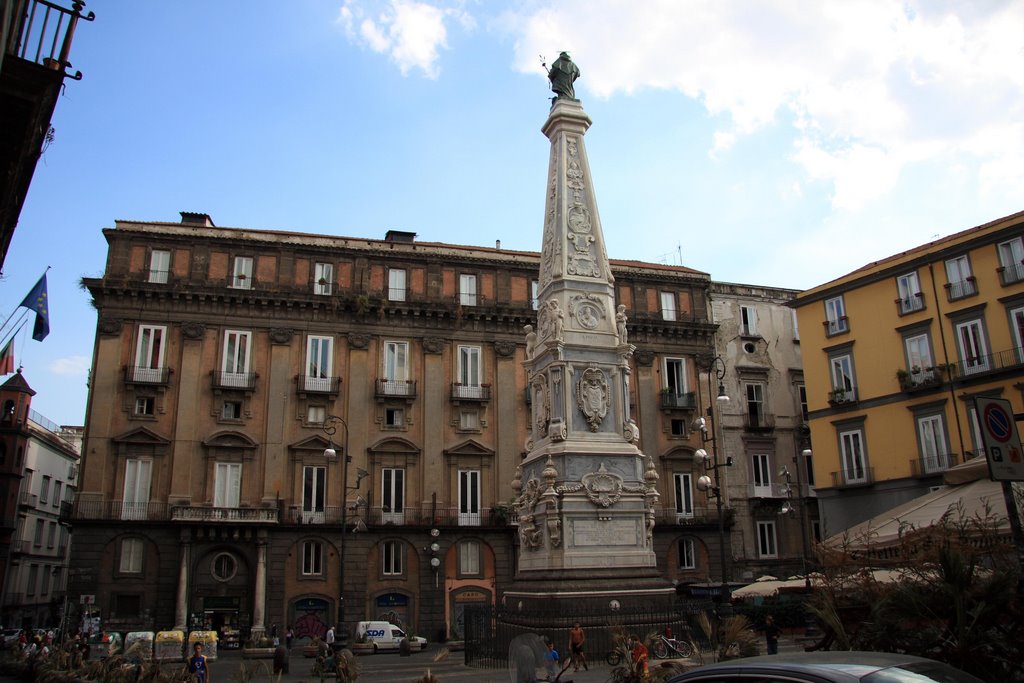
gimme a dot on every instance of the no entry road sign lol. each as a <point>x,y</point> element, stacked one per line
<point>1002,443</point>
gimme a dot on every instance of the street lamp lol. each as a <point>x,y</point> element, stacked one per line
<point>712,461</point>
<point>330,427</point>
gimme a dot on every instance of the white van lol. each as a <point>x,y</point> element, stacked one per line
<point>385,636</point>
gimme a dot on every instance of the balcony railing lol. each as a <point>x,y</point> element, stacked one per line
<point>910,304</point>
<point>318,385</point>
<point>840,396</point>
<point>769,490</point>
<point>932,464</point>
<point>136,374</point>
<point>466,392</point>
<point>21,547</point>
<point>404,388</point>
<point>672,399</point>
<point>396,294</point>
<point>193,513</point>
<point>758,421</point>
<point>28,499</point>
<point>43,33</point>
<point>696,516</point>
<point>859,476</point>
<point>961,288</point>
<point>330,514</point>
<point>99,509</point>
<point>1011,273</point>
<point>919,379</point>
<point>234,380</point>
<point>836,326</point>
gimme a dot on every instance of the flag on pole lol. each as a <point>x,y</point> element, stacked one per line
<point>36,301</point>
<point>7,358</point>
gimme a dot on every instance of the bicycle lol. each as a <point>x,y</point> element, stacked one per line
<point>664,647</point>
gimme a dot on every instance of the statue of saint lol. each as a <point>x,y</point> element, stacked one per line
<point>562,75</point>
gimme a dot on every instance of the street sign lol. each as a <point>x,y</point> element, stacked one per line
<point>1002,442</point>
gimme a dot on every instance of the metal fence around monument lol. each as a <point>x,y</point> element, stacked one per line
<point>489,631</point>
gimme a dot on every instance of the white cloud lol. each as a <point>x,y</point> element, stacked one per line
<point>72,366</point>
<point>411,33</point>
<point>867,87</point>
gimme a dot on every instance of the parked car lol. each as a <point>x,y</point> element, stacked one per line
<point>828,667</point>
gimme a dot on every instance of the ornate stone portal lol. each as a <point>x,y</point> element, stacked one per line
<point>585,493</point>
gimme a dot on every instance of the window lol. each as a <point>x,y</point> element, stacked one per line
<point>37,540</point>
<point>44,581</point>
<point>51,534</point>
<point>755,405</point>
<point>396,284</point>
<point>801,391</point>
<point>231,410</point>
<point>323,279</point>
<point>766,545</point>
<point>469,558</point>
<point>149,354</point>
<point>319,361</point>
<point>1011,261</point>
<point>241,277</point>
<point>391,558</point>
<point>931,434</point>
<point>57,490</point>
<point>675,376</point>
<point>315,415</point>
<point>975,425</point>
<point>235,363</point>
<point>159,266</point>
<point>851,448</point>
<point>687,554</point>
<point>469,420</point>
<point>33,579</point>
<point>392,497</point>
<point>668,306</point>
<point>467,290</point>
<point>44,489</point>
<point>843,384</point>
<point>683,489</point>
<point>131,556</point>
<point>534,294</point>
<point>394,417</point>
<point>677,427</point>
<point>835,316</point>
<point>809,466</point>
<point>1017,329</point>
<point>396,367</point>
<point>919,356</point>
<point>227,484</point>
<point>469,372</point>
<point>796,326</point>
<point>224,567</point>
<point>144,405</point>
<point>762,476</point>
<point>970,340</point>
<point>909,289</point>
<point>314,491</point>
<point>816,530</point>
<point>312,558</point>
<point>748,321</point>
<point>469,497</point>
<point>135,501</point>
<point>960,282</point>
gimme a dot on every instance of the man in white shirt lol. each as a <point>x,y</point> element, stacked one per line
<point>329,638</point>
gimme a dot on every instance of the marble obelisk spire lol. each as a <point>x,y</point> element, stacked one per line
<point>586,494</point>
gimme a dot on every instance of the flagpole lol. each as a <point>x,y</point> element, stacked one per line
<point>25,312</point>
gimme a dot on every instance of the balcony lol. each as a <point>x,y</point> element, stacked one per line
<point>859,476</point>
<point>979,365</point>
<point>961,289</point>
<point>468,392</point>
<point>330,514</point>
<point>759,422</point>
<point>195,513</point>
<point>842,396</point>
<point>770,490</point>
<point>135,374</point>
<point>911,304</point>
<point>318,385</point>
<point>919,379</point>
<point>674,400</point>
<point>99,509</point>
<point>29,500</point>
<point>1010,274</point>
<point>21,547</point>
<point>696,517</point>
<point>395,388</point>
<point>932,464</point>
<point>837,326</point>
<point>65,510</point>
<point>243,381</point>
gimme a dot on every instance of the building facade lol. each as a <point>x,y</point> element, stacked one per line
<point>763,425</point>
<point>33,588</point>
<point>895,353</point>
<point>221,354</point>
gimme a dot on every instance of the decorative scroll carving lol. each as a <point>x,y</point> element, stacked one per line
<point>109,327</point>
<point>358,341</point>
<point>592,397</point>
<point>630,432</point>
<point>281,335</point>
<point>603,488</point>
<point>557,430</point>
<point>433,345</point>
<point>555,531</point>
<point>193,330</point>
<point>644,357</point>
<point>587,310</point>
<point>504,349</point>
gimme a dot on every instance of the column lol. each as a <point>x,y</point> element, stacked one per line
<point>260,599</point>
<point>181,603</point>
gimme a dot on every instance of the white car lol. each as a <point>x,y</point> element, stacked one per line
<point>386,636</point>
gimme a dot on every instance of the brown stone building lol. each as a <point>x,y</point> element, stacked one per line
<point>221,354</point>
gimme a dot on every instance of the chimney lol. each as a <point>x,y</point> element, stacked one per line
<point>497,244</point>
<point>190,218</point>
<point>399,236</point>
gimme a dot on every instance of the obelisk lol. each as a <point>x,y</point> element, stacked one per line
<point>585,493</point>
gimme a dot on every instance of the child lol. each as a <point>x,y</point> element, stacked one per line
<point>197,665</point>
<point>551,661</point>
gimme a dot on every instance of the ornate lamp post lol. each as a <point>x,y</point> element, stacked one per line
<point>714,461</point>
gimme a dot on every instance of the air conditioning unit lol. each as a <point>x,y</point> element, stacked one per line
<point>72,471</point>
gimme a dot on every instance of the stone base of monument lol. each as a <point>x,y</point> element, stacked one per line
<point>596,590</point>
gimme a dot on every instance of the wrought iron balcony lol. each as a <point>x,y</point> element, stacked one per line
<point>318,385</point>
<point>910,304</point>
<point>759,422</point>
<point>195,513</point>
<point>245,381</point>
<point>961,288</point>
<point>1011,273</point>
<point>466,392</point>
<point>858,476</point>
<point>837,326</point>
<point>96,508</point>
<point>136,374</point>
<point>28,499</point>
<point>672,399</point>
<point>919,379</point>
<point>841,396</point>
<point>933,464</point>
<point>403,388</point>
<point>771,490</point>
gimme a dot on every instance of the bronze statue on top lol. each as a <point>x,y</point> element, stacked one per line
<point>562,75</point>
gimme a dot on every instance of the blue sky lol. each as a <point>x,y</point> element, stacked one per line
<point>772,142</point>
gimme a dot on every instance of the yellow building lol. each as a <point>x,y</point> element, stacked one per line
<point>894,354</point>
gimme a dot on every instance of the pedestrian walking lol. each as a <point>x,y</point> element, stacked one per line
<point>576,639</point>
<point>198,666</point>
<point>771,635</point>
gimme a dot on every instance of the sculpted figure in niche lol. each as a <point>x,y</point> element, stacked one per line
<point>562,75</point>
<point>557,319</point>
<point>531,341</point>
<point>620,324</point>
